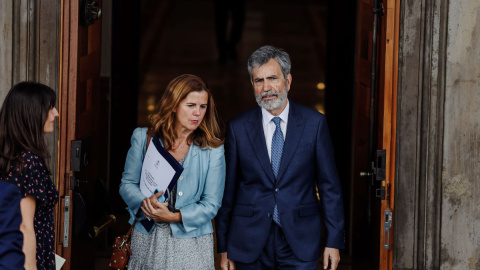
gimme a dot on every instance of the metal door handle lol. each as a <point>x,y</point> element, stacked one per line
<point>97,230</point>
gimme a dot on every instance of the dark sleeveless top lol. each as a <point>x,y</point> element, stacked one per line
<point>35,181</point>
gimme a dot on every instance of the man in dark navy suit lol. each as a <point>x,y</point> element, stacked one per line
<point>277,154</point>
<point>11,238</point>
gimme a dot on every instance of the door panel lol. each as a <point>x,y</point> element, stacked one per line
<point>364,245</point>
<point>83,151</point>
<point>369,213</point>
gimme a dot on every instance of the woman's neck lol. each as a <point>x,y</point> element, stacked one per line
<point>182,134</point>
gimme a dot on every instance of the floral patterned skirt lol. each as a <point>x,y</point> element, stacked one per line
<point>161,250</point>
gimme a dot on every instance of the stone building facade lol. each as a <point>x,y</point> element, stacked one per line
<point>437,192</point>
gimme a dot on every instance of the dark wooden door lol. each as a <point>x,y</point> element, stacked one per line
<point>372,227</point>
<point>387,119</point>
<point>365,207</point>
<point>83,151</point>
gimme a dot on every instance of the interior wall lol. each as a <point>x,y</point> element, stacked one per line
<point>106,67</point>
<point>124,93</point>
<point>340,74</point>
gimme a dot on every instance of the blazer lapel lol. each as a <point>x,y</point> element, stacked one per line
<point>295,126</point>
<point>254,129</point>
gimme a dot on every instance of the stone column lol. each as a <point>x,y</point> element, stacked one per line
<point>6,39</point>
<point>438,142</point>
<point>460,218</point>
<point>30,50</point>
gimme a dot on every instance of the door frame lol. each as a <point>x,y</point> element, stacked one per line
<point>67,96</point>
<point>388,118</point>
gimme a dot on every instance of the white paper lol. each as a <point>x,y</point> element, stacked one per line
<point>59,261</point>
<point>156,172</point>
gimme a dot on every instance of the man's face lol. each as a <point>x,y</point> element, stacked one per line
<point>270,86</point>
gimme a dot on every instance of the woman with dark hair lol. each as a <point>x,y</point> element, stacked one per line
<point>186,124</point>
<point>28,112</point>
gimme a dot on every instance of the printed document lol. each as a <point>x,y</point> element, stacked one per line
<point>59,261</point>
<point>157,173</point>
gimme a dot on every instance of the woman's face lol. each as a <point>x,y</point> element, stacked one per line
<point>50,123</point>
<point>190,111</point>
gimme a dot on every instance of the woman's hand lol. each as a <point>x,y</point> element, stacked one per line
<point>154,199</point>
<point>159,211</point>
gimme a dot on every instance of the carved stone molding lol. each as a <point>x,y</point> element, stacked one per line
<point>421,98</point>
<point>6,39</point>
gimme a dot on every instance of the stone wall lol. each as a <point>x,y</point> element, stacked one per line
<point>6,38</point>
<point>460,227</point>
<point>30,48</point>
<point>438,142</point>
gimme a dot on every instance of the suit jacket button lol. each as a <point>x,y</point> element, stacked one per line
<point>180,193</point>
<point>277,190</point>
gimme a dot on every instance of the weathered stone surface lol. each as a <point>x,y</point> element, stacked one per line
<point>408,121</point>
<point>29,50</point>
<point>438,139</point>
<point>6,38</point>
<point>460,237</point>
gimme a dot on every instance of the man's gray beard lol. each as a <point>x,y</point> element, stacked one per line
<point>273,103</point>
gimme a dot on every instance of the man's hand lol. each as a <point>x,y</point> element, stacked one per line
<point>226,263</point>
<point>332,255</point>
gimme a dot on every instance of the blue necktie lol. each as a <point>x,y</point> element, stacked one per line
<point>277,149</point>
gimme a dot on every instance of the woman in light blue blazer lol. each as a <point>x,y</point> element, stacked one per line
<point>186,124</point>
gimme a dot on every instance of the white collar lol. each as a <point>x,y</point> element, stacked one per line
<point>267,117</point>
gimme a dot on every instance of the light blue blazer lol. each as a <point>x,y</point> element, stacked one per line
<point>199,188</point>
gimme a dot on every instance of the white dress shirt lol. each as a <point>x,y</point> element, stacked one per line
<point>269,126</point>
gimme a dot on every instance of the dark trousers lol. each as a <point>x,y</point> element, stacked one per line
<point>277,254</point>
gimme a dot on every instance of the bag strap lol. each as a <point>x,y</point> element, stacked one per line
<point>130,230</point>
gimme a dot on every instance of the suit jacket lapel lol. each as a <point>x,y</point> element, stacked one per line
<point>254,129</point>
<point>295,126</point>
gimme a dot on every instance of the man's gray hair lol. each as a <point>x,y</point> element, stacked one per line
<point>264,54</point>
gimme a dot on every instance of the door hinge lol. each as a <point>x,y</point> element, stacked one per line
<point>387,225</point>
<point>379,10</point>
<point>75,182</point>
<point>383,192</point>
<point>380,192</point>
